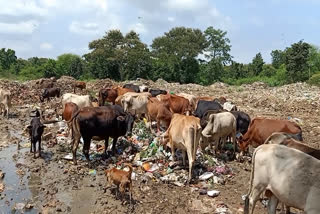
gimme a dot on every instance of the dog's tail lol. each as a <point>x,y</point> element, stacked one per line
<point>130,168</point>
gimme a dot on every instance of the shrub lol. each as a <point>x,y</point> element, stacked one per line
<point>315,79</point>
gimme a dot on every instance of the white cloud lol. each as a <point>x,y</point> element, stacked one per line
<point>171,19</point>
<point>21,8</point>
<point>139,28</point>
<point>46,46</point>
<point>27,27</point>
<point>85,28</point>
<point>184,4</point>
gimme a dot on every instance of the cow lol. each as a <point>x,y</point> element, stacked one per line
<point>79,84</point>
<point>135,102</point>
<point>135,88</point>
<point>229,106</point>
<point>159,112</point>
<point>50,92</point>
<point>290,140</point>
<point>143,88</point>
<point>70,109</point>
<point>103,122</point>
<point>36,129</point>
<point>291,175</point>
<point>183,133</point>
<point>5,102</point>
<point>220,125</point>
<point>192,99</point>
<point>204,106</point>
<point>80,101</point>
<point>261,128</point>
<point>176,103</point>
<point>156,92</point>
<point>243,121</point>
<point>107,94</point>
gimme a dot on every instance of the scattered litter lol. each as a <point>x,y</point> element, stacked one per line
<point>1,187</point>
<point>19,206</point>
<point>213,193</point>
<point>92,172</point>
<point>2,174</point>
<point>68,157</point>
<point>206,176</point>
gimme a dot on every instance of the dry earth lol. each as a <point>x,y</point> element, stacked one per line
<point>52,184</point>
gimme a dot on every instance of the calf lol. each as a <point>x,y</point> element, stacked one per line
<point>107,94</point>
<point>80,101</point>
<point>50,92</point>
<point>156,92</point>
<point>135,88</point>
<point>291,175</point>
<point>221,125</point>
<point>261,128</point>
<point>159,112</point>
<point>204,106</point>
<point>184,133</point>
<point>35,131</point>
<point>79,84</point>
<point>192,100</point>
<point>103,122</point>
<point>5,102</point>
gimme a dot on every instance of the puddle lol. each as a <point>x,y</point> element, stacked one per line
<point>17,189</point>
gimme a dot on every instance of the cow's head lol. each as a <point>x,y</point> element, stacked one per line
<point>126,102</point>
<point>243,144</point>
<point>128,120</point>
<point>207,131</point>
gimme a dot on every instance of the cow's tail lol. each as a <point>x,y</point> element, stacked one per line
<point>246,203</point>
<point>73,116</point>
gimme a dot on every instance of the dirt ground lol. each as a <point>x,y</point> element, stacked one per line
<point>52,184</point>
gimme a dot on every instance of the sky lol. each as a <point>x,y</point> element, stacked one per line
<point>49,28</point>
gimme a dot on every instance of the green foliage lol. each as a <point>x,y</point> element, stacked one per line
<point>30,72</point>
<point>268,70</point>
<point>277,58</point>
<point>257,65</point>
<point>211,72</point>
<point>296,62</point>
<point>7,58</point>
<point>218,45</point>
<point>70,65</point>
<point>315,79</point>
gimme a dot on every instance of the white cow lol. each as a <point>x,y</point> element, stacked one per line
<point>221,125</point>
<point>81,101</point>
<point>5,102</point>
<point>291,175</point>
<point>135,102</point>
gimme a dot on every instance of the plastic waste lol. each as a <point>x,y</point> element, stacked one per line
<point>92,172</point>
<point>68,157</point>
<point>213,193</point>
<point>206,176</point>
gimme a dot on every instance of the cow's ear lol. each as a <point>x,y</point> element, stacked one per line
<point>120,118</point>
<point>211,117</point>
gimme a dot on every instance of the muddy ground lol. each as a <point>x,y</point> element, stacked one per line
<point>52,184</point>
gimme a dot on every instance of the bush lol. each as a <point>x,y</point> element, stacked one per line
<point>315,79</point>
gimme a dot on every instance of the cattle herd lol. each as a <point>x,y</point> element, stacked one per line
<point>284,169</point>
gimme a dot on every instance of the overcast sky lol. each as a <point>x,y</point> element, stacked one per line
<point>48,28</point>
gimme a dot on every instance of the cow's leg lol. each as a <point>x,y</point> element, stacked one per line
<point>31,144</point>
<point>106,144</point>
<point>190,165</point>
<point>39,147</point>
<point>172,149</point>
<point>184,158</point>
<point>34,148</point>
<point>114,145</point>
<point>255,195</point>
<point>7,109</point>
<point>86,147</point>
<point>75,143</point>
<point>287,208</point>
<point>272,204</point>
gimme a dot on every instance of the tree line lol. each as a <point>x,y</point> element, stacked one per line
<point>184,55</point>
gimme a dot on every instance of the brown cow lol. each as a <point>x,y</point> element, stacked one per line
<point>107,94</point>
<point>176,103</point>
<point>158,111</point>
<point>79,84</point>
<point>261,128</point>
<point>122,91</point>
<point>69,109</point>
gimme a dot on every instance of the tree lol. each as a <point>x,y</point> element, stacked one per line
<point>277,58</point>
<point>7,58</point>
<point>256,65</point>
<point>177,46</point>
<point>314,60</point>
<point>69,64</point>
<point>268,70</point>
<point>211,72</point>
<point>297,61</point>
<point>218,45</point>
